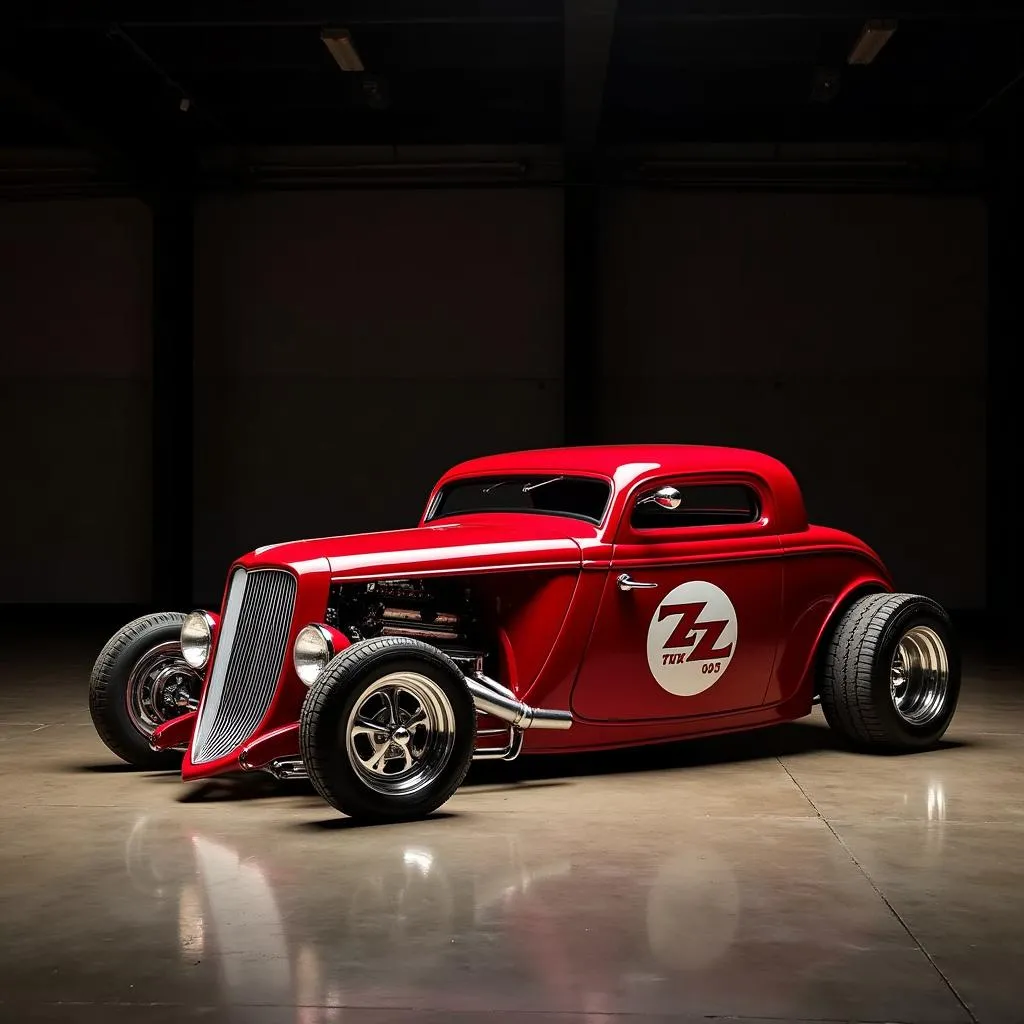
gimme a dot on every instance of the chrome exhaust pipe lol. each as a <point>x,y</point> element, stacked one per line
<point>494,684</point>
<point>491,700</point>
<point>287,768</point>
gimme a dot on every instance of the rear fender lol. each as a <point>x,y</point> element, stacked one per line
<point>843,602</point>
<point>795,676</point>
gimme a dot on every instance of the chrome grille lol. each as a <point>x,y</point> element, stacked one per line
<point>250,654</point>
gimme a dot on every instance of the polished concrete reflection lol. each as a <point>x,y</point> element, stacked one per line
<point>770,876</point>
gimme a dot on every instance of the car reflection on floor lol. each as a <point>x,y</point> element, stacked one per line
<point>433,923</point>
<point>412,908</point>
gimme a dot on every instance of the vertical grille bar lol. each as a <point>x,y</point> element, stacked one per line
<point>250,655</point>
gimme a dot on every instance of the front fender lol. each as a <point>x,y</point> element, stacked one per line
<point>175,733</point>
<point>278,744</point>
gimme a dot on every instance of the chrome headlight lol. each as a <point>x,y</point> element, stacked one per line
<point>312,651</point>
<point>197,638</point>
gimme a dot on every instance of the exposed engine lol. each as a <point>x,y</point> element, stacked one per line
<point>438,612</point>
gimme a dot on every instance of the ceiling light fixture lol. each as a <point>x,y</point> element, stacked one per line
<point>873,36</point>
<point>339,42</point>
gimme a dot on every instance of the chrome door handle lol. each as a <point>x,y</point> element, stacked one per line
<point>625,583</point>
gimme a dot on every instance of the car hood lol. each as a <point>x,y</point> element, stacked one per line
<point>470,544</point>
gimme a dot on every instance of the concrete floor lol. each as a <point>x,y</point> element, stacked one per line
<point>770,876</point>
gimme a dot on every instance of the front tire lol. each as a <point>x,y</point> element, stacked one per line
<point>140,680</point>
<point>891,673</point>
<point>387,730</point>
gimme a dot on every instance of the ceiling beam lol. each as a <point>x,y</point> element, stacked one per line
<point>813,11</point>
<point>589,25</point>
<point>65,14</point>
<point>316,19</point>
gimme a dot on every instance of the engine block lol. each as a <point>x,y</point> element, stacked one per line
<point>438,612</point>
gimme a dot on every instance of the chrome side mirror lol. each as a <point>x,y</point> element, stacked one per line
<point>663,497</point>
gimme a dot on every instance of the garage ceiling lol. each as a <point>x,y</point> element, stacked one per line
<point>494,71</point>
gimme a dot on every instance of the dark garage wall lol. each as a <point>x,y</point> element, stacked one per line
<point>844,334</point>
<point>74,400</point>
<point>352,345</point>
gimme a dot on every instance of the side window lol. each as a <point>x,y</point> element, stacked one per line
<point>694,505</point>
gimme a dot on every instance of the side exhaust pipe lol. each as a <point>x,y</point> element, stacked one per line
<point>492,698</point>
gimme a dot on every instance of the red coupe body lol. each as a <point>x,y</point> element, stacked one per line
<point>649,620</point>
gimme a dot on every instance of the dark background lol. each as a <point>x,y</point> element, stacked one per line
<point>284,311</point>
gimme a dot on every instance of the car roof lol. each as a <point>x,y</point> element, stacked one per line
<point>625,462</point>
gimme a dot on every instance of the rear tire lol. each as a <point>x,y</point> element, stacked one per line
<point>388,729</point>
<point>145,652</point>
<point>891,673</point>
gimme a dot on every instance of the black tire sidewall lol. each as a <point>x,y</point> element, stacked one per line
<point>111,713</point>
<point>322,740</point>
<point>919,612</point>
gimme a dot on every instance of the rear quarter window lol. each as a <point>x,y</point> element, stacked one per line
<point>701,505</point>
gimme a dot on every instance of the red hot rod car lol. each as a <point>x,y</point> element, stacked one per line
<point>547,601</point>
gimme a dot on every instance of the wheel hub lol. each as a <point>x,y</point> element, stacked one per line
<point>919,676</point>
<point>161,686</point>
<point>400,733</point>
<point>171,690</point>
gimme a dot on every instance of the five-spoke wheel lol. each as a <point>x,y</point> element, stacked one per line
<point>400,733</point>
<point>387,730</point>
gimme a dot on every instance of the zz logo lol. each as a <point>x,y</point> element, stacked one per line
<point>692,638</point>
<point>692,630</point>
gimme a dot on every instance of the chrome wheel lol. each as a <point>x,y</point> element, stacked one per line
<point>400,734</point>
<point>161,686</point>
<point>919,676</point>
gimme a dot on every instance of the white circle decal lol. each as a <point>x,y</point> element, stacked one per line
<point>692,638</point>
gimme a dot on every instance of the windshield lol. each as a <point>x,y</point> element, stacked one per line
<point>580,497</point>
